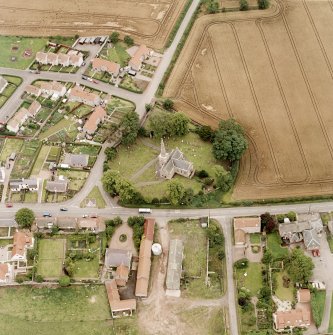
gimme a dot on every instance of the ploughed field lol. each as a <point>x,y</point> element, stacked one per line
<point>272,71</point>
<point>148,21</point>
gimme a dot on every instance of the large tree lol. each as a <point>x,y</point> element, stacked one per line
<point>299,266</point>
<point>25,218</point>
<point>230,141</point>
<point>223,178</point>
<point>180,124</point>
<point>129,126</point>
<point>175,192</point>
<point>109,181</point>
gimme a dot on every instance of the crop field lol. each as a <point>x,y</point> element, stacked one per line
<point>271,71</point>
<point>149,21</point>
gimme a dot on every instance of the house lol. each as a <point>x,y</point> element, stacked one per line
<point>118,307</point>
<point>76,160</point>
<point>174,270</point>
<point>95,118</point>
<point>77,94</point>
<point>88,224</point>
<point>19,118</point>
<point>41,58</point>
<point>290,319</point>
<point>103,65</point>
<point>67,223</point>
<point>143,272</point>
<point>33,90</point>
<point>5,273</point>
<point>63,59</point>
<point>59,59</point>
<point>24,185</point>
<point>52,58</point>
<point>59,185</point>
<point>244,226</point>
<point>34,108</point>
<point>173,163</point>
<point>2,174</point>
<point>141,54</point>
<point>76,60</point>
<point>121,275</point>
<point>22,240</point>
<point>117,257</point>
<point>45,223</point>
<point>3,84</point>
<point>304,295</point>
<point>293,232</point>
<point>311,239</point>
<point>53,88</point>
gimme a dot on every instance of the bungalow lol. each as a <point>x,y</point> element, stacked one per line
<point>293,232</point>
<point>2,174</point>
<point>22,240</point>
<point>103,65</point>
<point>139,56</point>
<point>76,160</point>
<point>24,184</point>
<point>311,239</point>
<point>45,223</point>
<point>67,223</point>
<point>3,84</point>
<point>97,116</point>
<point>77,94</point>
<point>117,257</point>
<point>118,307</point>
<point>245,225</point>
<point>53,88</point>
<point>290,319</point>
<point>59,185</point>
<point>33,90</point>
<point>88,224</point>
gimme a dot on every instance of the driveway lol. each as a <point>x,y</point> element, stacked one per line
<point>115,243</point>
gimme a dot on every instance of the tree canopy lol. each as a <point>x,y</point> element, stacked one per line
<point>175,192</point>
<point>223,178</point>
<point>299,266</point>
<point>114,37</point>
<point>129,126</point>
<point>230,142</point>
<point>25,218</point>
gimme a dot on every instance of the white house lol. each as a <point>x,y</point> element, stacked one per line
<point>24,184</point>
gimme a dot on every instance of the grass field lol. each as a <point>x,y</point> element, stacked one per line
<point>250,278</point>
<point>274,244</point>
<point>82,310</point>
<point>284,293</point>
<point>194,262</point>
<point>51,255</point>
<point>11,145</point>
<point>15,46</point>
<point>43,154</point>
<point>319,297</point>
<point>117,54</point>
<point>95,194</point>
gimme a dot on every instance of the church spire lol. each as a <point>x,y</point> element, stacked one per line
<point>163,152</point>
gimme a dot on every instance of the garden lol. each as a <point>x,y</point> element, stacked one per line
<point>13,84</point>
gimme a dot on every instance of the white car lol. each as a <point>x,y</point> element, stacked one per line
<point>84,215</point>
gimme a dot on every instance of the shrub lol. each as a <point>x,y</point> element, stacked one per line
<point>128,40</point>
<point>64,281</point>
<point>243,5</point>
<point>242,263</point>
<point>39,279</point>
<point>263,4</point>
<point>202,174</point>
<point>168,104</point>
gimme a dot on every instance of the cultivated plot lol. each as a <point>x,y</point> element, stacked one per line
<point>148,21</point>
<point>272,71</point>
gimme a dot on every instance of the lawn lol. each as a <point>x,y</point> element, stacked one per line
<point>284,293</point>
<point>330,242</point>
<point>13,83</point>
<point>61,125</point>
<point>95,194</point>
<point>17,81</point>
<point>330,327</point>
<point>80,310</point>
<point>11,145</point>
<point>318,299</point>
<point>51,255</point>
<point>87,269</point>
<point>43,154</point>
<point>255,238</point>
<point>77,178</point>
<point>250,278</point>
<point>91,150</point>
<point>274,244</point>
<point>194,262</point>
<point>117,54</point>
<point>4,231</point>
<point>128,83</point>
<point>119,105</point>
<point>5,242</point>
<point>54,154</point>
<point>13,46</point>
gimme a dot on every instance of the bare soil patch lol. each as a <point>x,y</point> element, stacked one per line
<point>272,71</point>
<point>149,21</point>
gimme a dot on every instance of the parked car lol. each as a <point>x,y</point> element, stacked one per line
<point>84,215</point>
<point>84,78</point>
<point>95,81</point>
<point>9,204</point>
<point>47,214</point>
<point>93,215</point>
<point>63,209</point>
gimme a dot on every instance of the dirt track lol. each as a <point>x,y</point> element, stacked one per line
<point>272,71</point>
<point>149,21</point>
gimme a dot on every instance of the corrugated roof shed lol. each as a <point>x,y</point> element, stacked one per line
<point>175,265</point>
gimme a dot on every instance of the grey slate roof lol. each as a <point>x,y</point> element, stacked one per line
<point>76,160</point>
<point>116,257</point>
<point>297,227</point>
<point>311,239</point>
<point>58,185</point>
<point>174,265</point>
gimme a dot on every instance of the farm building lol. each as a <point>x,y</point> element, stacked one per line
<point>117,257</point>
<point>174,271</point>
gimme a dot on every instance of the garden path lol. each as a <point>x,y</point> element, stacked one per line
<point>126,245</point>
<point>138,173</point>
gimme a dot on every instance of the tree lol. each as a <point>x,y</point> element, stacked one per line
<point>205,132</point>
<point>136,221</point>
<point>299,266</point>
<point>263,4</point>
<point>128,40</point>
<point>180,124</point>
<point>168,104</point>
<point>160,124</point>
<point>69,267</point>
<point>148,107</point>
<point>125,190</point>
<point>110,153</point>
<point>109,181</point>
<point>243,5</point>
<point>25,218</point>
<point>223,178</point>
<point>212,7</point>
<point>268,223</point>
<point>229,142</point>
<point>114,37</point>
<point>268,257</point>
<point>130,125</point>
<point>175,192</point>
<point>64,281</point>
